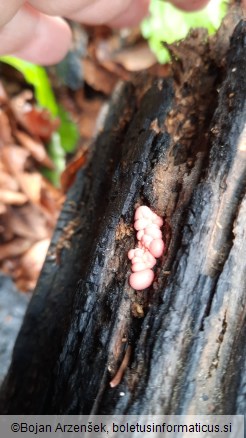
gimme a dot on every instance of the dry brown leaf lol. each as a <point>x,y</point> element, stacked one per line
<point>22,283</point>
<point>8,182</point>
<point>160,70</point>
<point>33,260</point>
<point>36,149</point>
<point>97,77</point>
<point>87,125</point>
<point>5,129</point>
<point>69,174</point>
<point>3,208</point>
<point>12,198</point>
<point>28,221</point>
<point>135,58</point>
<point>51,198</point>
<point>30,184</point>
<point>14,248</point>
<point>14,158</point>
<point>6,231</point>
<point>29,205</point>
<point>88,117</point>
<point>27,271</point>
<point>9,266</point>
<point>84,111</point>
<point>37,121</point>
<point>3,95</point>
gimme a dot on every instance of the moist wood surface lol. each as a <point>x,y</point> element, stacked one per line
<point>180,148</point>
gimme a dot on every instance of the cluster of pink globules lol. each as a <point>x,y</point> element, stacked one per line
<point>150,247</point>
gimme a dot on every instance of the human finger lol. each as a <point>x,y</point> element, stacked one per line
<point>191,5</point>
<point>8,9</point>
<point>89,12</point>
<point>137,10</point>
<point>35,36</point>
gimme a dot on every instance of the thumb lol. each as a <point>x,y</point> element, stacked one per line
<point>190,5</point>
<point>36,37</point>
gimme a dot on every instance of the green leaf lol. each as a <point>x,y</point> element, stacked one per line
<point>66,138</point>
<point>68,130</point>
<point>56,153</point>
<point>38,78</point>
<point>169,24</point>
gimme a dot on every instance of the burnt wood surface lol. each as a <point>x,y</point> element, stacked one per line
<point>180,148</point>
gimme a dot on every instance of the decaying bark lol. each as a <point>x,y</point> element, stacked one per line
<point>179,147</point>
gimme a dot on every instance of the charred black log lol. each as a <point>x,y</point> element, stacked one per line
<point>179,148</point>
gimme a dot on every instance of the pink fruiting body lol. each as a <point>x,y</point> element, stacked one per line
<point>143,211</point>
<point>157,247</point>
<point>150,246</point>
<point>139,266</point>
<point>140,224</point>
<point>142,279</point>
<point>153,232</point>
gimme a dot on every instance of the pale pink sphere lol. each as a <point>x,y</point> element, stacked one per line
<point>146,240</point>
<point>142,258</point>
<point>141,280</point>
<point>139,266</point>
<point>136,252</point>
<point>140,224</point>
<point>143,212</point>
<point>145,217</point>
<point>149,259</point>
<point>157,220</point>
<point>157,247</point>
<point>154,232</point>
<point>140,234</point>
<point>150,246</point>
<point>137,260</point>
<point>139,252</point>
<point>131,253</point>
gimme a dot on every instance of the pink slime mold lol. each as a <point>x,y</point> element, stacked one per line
<point>150,246</point>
